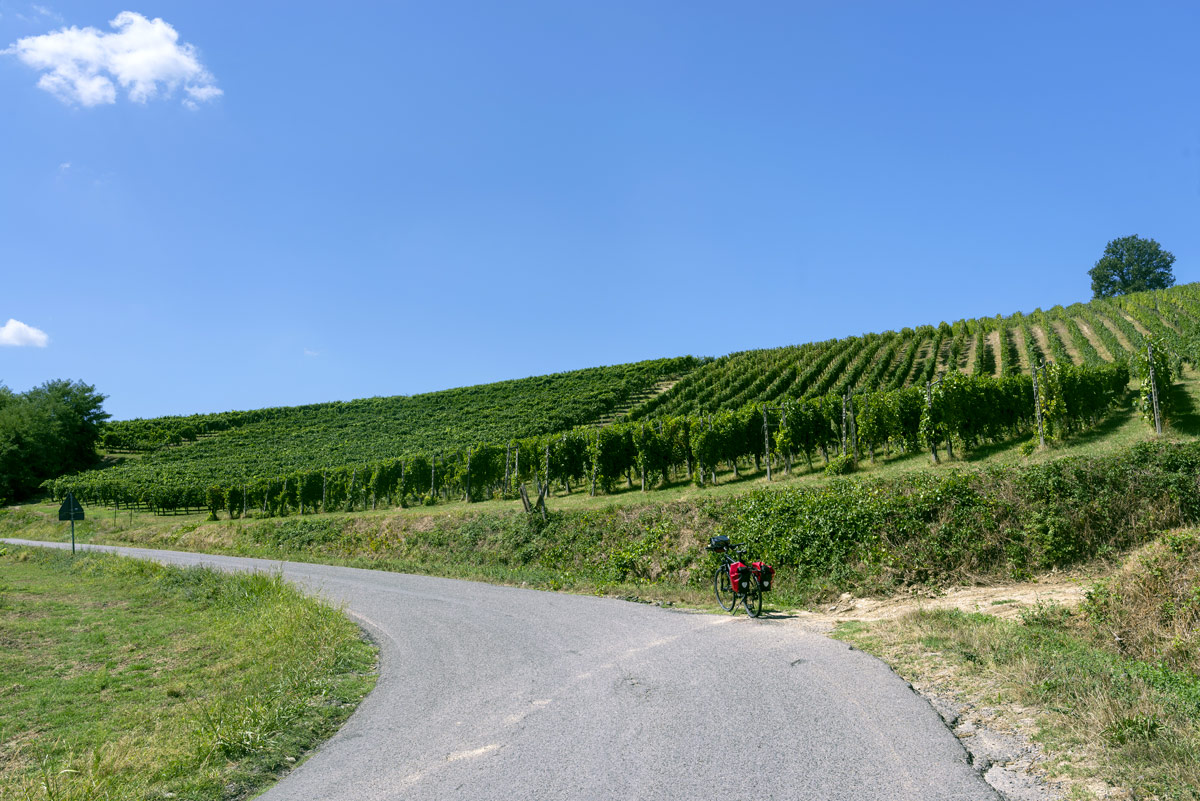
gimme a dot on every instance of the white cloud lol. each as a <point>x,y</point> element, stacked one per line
<point>17,334</point>
<point>143,56</point>
<point>312,354</point>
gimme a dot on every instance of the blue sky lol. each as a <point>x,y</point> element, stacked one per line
<point>291,202</point>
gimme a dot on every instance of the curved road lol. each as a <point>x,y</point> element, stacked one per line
<point>499,693</point>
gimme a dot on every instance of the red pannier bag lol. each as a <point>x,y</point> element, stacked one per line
<point>764,573</point>
<point>739,576</point>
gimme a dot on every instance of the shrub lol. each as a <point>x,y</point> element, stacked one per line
<point>840,466</point>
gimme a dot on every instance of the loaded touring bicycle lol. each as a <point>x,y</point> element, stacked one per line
<point>738,581</point>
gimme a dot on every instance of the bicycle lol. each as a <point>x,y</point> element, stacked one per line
<point>749,590</point>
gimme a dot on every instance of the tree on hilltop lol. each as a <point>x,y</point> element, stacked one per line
<point>1131,264</point>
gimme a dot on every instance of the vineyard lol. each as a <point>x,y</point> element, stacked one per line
<point>931,388</point>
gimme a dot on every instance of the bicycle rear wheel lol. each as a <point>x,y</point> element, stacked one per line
<point>752,600</point>
<point>724,589</point>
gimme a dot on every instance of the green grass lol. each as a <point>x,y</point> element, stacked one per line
<point>125,679</point>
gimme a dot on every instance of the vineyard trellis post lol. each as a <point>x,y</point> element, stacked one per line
<point>853,426</point>
<point>767,442</point>
<point>783,424</point>
<point>843,425</point>
<point>929,385</point>
<point>929,411</point>
<point>1154,383</point>
<point>1037,404</point>
<point>507,465</point>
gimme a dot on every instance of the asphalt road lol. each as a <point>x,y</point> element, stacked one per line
<point>500,693</point>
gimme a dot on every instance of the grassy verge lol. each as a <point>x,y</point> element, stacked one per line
<point>126,679</point>
<point>866,536</point>
<point>1112,689</point>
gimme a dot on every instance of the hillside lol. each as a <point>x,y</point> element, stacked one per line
<point>479,442</point>
<point>1081,334</point>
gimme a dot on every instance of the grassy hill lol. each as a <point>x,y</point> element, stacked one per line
<point>1080,334</point>
<point>477,442</point>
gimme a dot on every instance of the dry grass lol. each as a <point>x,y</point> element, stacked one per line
<point>1110,690</point>
<point>1150,609</point>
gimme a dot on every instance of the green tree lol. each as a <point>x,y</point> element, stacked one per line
<point>50,430</point>
<point>1131,264</point>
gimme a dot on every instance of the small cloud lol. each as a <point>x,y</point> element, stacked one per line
<point>142,56</point>
<point>47,12</point>
<point>312,354</point>
<point>66,165</point>
<point>17,334</point>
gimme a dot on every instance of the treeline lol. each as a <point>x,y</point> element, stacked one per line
<point>49,430</point>
<point>962,410</point>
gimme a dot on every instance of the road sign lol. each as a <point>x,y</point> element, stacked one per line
<point>70,510</point>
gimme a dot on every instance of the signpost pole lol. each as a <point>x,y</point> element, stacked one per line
<point>72,511</point>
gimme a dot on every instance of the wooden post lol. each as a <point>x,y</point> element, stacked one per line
<point>843,425</point>
<point>767,442</point>
<point>541,501</point>
<point>1154,385</point>
<point>853,429</point>
<point>929,410</point>
<point>1037,408</point>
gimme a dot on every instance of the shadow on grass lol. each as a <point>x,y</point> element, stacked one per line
<point>1117,416</point>
<point>982,452</point>
<point>1185,417</point>
<point>1115,419</point>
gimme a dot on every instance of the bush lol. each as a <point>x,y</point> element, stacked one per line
<point>840,466</point>
<point>955,526</point>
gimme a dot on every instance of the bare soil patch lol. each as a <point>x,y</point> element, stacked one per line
<point>966,361</point>
<point>1006,601</point>
<point>1117,332</point>
<point>1141,329</point>
<point>1039,336</point>
<point>1018,336</point>
<point>1097,343</point>
<point>993,341</point>
<point>1068,343</point>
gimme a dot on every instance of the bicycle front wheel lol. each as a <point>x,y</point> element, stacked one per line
<point>724,589</point>
<point>752,600</point>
